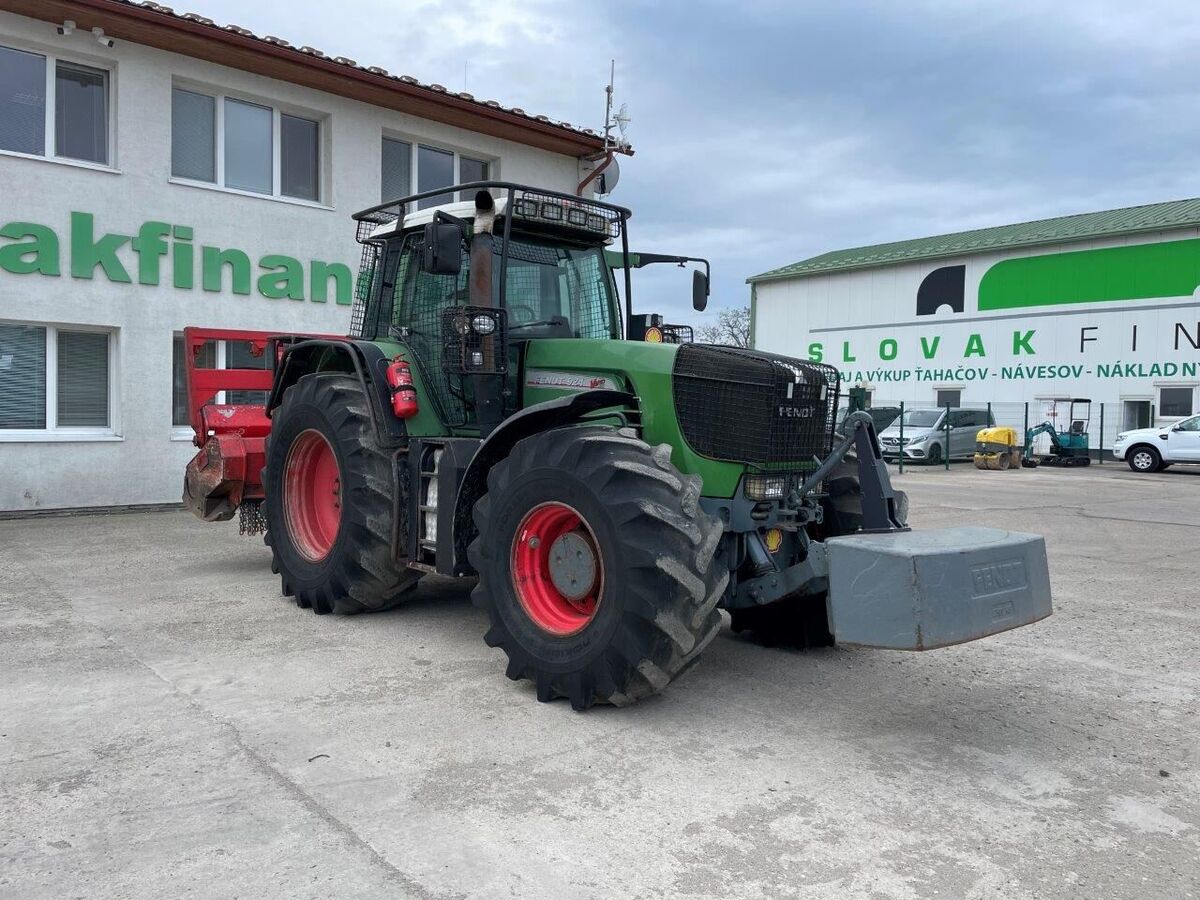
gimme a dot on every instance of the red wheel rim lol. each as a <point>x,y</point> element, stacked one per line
<point>312,495</point>
<point>557,570</point>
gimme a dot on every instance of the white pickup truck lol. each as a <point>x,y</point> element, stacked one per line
<point>1153,449</point>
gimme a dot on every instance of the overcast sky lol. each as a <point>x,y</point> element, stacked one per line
<point>767,132</point>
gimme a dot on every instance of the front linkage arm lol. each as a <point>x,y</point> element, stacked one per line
<point>878,497</point>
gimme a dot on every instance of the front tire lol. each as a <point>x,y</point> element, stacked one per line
<point>596,566</point>
<point>1144,459</point>
<point>935,455</point>
<point>329,503</point>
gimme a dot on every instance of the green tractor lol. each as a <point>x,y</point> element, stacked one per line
<point>486,418</point>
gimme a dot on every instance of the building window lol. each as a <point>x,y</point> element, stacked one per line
<point>1175,401</point>
<point>397,169</point>
<point>249,147</point>
<point>51,107</point>
<point>244,146</point>
<point>471,170</point>
<point>949,398</point>
<point>429,168</point>
<point>179,397</point>
<point>55,379</point>
<point>213,355</point>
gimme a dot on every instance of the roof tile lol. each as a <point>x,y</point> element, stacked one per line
<point>376,70</point>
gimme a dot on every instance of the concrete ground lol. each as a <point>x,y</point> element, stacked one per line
<point>170,726</point>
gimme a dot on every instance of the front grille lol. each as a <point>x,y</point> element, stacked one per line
<point>759,408</point>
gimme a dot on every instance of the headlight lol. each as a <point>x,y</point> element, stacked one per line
<point>462,325</point>
<point>483,324</point>
<point>765,487</point>
<point>527,209</point>
<point>1122,435</point>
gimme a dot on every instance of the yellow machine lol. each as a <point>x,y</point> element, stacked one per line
<point>997,448</point>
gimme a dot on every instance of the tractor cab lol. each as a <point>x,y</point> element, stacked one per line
<point>553,272</point>
<point>468,286</point>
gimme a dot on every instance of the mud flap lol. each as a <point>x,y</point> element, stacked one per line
<point>920,590</point>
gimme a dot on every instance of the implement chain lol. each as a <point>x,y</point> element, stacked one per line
<point>250,518</point>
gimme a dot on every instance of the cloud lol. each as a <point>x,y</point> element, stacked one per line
<point>767,132</point>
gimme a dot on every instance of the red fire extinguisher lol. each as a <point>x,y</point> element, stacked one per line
<point>404,395</point>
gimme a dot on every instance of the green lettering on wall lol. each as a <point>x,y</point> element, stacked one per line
<point>929,350</point>
<point>87,252</point>
<point>32,248</point>
<point>212,263</point>
<point>974,346</point>
<point>321,273</point>
<point>37,255</point>
<point>150,249</point>
<point>183,261</point>
<point>1137,272</point>
<point>1021,343</point>
<point>816,352</point>
<point>285,280</point>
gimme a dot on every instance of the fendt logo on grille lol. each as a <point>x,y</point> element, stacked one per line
<point>796,412</point>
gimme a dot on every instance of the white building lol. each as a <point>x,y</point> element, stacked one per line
<point>159,171</point>
<point>1100,305</point>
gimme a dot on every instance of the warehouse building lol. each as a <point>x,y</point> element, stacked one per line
<point>160,171</point>
<point>1100,305</point>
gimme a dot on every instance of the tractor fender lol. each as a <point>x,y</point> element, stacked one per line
<point>556,413</point>
<point>364,360</point>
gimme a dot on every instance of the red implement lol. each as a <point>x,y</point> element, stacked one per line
<point>231,436</point>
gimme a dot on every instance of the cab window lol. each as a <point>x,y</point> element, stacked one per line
<point>551,290</point>
<point>557,291</point>
<point>1192,424</point>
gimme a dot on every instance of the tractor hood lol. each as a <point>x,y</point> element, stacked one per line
<point>722,409</point>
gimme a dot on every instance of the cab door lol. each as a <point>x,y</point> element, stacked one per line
<point>1183,441</point>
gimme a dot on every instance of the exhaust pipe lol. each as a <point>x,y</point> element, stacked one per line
<point>482,246</point>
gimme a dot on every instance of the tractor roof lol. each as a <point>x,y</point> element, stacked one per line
<point>463,209</point>
<point>534,208</point>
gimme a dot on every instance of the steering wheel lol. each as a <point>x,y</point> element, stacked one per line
<point>521,313</point>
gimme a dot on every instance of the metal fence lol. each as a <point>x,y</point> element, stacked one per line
<point>1104,422</point>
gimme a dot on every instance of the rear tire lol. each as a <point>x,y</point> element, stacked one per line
<point>341,562</point>
<point>651,607</point>
<point>1144,459</point>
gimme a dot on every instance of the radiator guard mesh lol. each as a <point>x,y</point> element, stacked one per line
<point>769,411</point>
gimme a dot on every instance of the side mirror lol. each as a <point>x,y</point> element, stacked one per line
<point>443,249</point>
<point>699,290</point>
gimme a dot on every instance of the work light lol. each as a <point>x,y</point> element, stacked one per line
<point>483,324</point>
<point>765,487</point>
<point>526,209</point>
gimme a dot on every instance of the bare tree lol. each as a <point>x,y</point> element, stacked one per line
<point>731,328</point>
